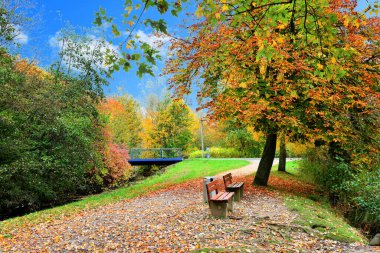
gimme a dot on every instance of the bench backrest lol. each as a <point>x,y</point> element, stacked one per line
<point>227,179</point>
<point>212,186</point>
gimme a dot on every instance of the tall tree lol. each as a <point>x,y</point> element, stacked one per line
<point>293,66</point>
<point>282,162</point>
<point>14,19</point>
<point>168,124</point>
<point>124,120</point>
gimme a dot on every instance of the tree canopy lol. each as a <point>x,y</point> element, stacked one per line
<point>302,67</point>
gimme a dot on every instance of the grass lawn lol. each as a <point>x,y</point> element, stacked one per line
<point>318,215</point>
<point>314,211</point>
<point>292,171</point>
<point>175,174</point>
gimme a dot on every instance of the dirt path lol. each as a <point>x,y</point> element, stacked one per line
<point>176,220</point>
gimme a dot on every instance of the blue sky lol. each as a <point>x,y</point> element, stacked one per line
<point>53,15</point>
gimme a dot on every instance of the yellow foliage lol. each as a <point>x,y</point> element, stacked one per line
<point>296,149</point>
<point>31,70</point>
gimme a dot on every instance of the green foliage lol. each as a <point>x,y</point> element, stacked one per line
<point>48,137</point>
<point>242,140</point>
<point>123,118</point>
<point>360,199</point>
<point>84,58</point>
<point>216,152</point>
<point>7,30</point>
<point>132,17</point>
<point>354,191</point>
<point>171,123</point>
<point>14,17</point>
<point>323,171</point>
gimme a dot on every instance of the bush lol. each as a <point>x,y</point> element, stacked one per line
<point>243,142</point>
<point>355,192</point>
<point>215,152</point>
<point>361,200</point>
<point>47,140</point>
<point>295,149</point>
<point>116,161</point>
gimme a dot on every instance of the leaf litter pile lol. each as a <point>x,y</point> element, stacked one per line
<point>177,220</point>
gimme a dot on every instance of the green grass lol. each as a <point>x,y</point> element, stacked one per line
<point>320,216</point>
<point>176,174</point>
<point>293,171</point>
<point>314,211</point>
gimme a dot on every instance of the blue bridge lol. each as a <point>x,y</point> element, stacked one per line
<point>155,156</point>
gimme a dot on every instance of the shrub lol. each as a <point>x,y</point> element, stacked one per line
<point>295,149</point>
<point>116,161</point>
<point>355,192</point>
<point>216,152</point>
<point>244,143</point>
<point>361,200</point>
<point>48,132</point>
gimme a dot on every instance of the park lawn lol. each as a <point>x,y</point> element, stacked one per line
<point>175,174</point>
<point>315,212</point>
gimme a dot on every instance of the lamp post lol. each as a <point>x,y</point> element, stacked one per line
<point>202,142</point>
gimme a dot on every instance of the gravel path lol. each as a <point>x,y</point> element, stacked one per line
<point>177,220</point>
<point>246,170</point>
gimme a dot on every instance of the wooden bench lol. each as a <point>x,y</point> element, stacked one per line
<point>237,187</point>
<point>220,202</point>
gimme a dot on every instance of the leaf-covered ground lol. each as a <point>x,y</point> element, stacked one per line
<point>176,220</point>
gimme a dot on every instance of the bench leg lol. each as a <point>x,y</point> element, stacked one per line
<point>218,209</point>
<point>230,205</point>
<point>241,191</point>
<point>237,195</point>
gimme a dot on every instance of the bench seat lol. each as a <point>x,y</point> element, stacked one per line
<point>222,197</point>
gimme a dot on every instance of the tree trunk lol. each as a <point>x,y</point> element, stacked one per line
<point>266,161</point>
<point>282,163</point>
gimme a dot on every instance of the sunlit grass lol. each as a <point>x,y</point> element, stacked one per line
<point>318,215</point>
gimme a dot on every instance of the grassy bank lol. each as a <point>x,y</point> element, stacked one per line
<point>178,173</point>
<point>318,215</point>
<point>314,210</point>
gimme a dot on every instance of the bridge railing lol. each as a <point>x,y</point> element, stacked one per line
<point>152,153</point>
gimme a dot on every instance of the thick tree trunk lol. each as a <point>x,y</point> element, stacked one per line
<point>266,161</point>
<point>282,162</point>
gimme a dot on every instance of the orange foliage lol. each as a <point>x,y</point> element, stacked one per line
<point>31,70</point>
<point>116,160</point>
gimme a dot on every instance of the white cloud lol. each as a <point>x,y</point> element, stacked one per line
<point>157,41</point>
<point>21,38</point>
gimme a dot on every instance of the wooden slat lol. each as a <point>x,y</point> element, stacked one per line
<point>229,195</point>
<point>217,196</point>
<point>235,185</point>
<point>222,196</point>
<point>211,187</point>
